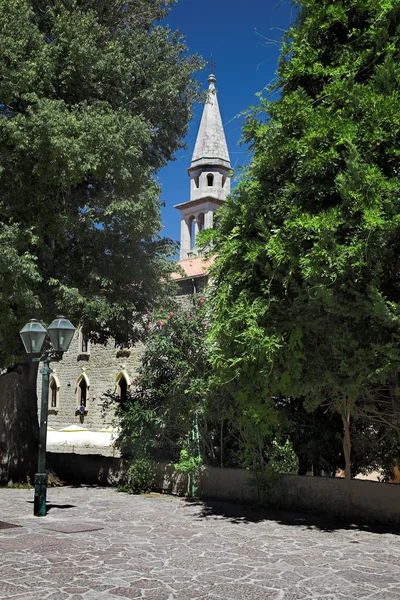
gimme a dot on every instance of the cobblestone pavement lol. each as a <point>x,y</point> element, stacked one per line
<point>161,547</point>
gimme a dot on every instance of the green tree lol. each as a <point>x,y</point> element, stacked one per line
<point>307,281</point>
<point>171,386</point>
<point>165,413</point>
<point>95,97</point>
<point>176,409</point>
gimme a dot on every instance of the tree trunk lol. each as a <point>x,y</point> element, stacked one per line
<point>395,398</point>
<point>346,443</point>
<point>347,457</point>
<point>222,443</point>
<point>19,426</point>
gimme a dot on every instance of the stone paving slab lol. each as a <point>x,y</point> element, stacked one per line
<point>99,544</point>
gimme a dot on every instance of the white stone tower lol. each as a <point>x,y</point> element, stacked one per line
<point>210,175</point>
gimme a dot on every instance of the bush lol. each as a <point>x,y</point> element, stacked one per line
<point>140,477</point>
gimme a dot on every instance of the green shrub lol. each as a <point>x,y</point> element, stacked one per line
<point>140,477</point>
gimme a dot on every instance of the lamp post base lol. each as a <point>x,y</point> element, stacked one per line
<point>39,508</point>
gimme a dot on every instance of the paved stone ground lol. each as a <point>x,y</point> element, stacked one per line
<point>160,547</point>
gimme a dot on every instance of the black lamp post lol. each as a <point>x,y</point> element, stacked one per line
<point>33,335</point>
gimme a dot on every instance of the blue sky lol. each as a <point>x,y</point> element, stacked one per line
<point>243,39</point>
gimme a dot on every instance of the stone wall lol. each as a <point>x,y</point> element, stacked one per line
<point>86,468</point>
<point>101,365</point>
<point>357,500</point>
<point>368,501</point>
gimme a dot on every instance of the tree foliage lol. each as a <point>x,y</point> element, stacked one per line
<point>95,97</point>
<point>168,399</point>
<point>176,409</point>
<point>307,279</point>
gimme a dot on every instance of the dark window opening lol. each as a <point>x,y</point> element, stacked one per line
<point>123,389</point>
<point>82,392</point>
<point>192,230</point>
<point>84,343</point>
<point>210,180</point>
<point>223,180</point>
<point>200,221</point>
<point>197,181</point>
<point>53,394</point>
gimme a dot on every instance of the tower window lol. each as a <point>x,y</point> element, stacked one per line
<point>200,221</point>
<point>196,181</point>
<point>223,180</point>
<point>210,180</point>
<point>192,230</point>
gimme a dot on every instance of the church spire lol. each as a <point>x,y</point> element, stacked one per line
<point>211,148</point>
<point>210,176</point>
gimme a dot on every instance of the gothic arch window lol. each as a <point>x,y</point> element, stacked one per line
<point>223,180</point>
<point>54,390</point>
<point>122,385</point>
<point>82,392</point>
<point>197,181</point>
<point>210,180</point>
<point>82,389</point>
<point>122,389</point>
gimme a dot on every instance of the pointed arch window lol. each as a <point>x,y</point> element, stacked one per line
<point>82,390</point>
<point>210,180</point>
<point>54,389</point>
<point>123,389</point>
<point>122,385</point>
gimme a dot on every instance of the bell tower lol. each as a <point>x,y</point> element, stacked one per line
<point>210,175</point>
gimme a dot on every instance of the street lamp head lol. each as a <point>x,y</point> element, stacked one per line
<point>61,332</point>
<point>33,336</point>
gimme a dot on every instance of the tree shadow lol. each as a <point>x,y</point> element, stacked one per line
<point>238,513</point>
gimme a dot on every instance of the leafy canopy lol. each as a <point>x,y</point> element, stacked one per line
<point>172,386</point>
<point>307,281</point>
<point>95,97</point>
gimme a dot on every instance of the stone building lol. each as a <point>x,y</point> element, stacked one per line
<point>78,383</point>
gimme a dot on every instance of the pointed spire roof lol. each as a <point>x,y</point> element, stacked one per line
<point>211,148</point>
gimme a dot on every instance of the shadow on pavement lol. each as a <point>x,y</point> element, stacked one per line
<point>238,513</point>
<point>49,506</point>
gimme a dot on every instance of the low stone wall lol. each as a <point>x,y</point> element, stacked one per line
<point>86,468</point>
<point>357,500</point>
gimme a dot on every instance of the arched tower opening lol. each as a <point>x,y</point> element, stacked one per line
<point>200,222</point>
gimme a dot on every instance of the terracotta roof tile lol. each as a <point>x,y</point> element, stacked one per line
<point>193,267</point>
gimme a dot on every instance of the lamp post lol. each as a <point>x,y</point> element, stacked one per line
<point>33,336</point>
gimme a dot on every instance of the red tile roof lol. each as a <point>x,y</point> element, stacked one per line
<point>194,267</point>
